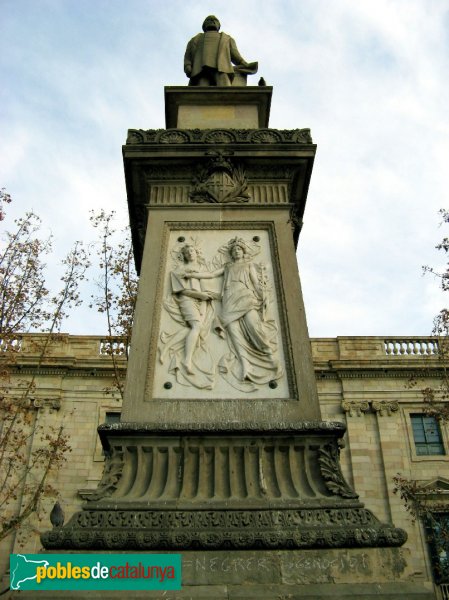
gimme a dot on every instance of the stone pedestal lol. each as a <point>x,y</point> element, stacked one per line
<point>186,487</point>
<point>208,108</point>
<point>221,447</point>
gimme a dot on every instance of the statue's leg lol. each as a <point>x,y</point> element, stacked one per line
<point>204,81</point>
<point>222,79</point>
<point>190,344</point>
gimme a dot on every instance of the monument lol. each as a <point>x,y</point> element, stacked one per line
<point>210,56</point>
<point>221,453</point>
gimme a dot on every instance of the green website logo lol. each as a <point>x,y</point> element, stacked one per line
<point>95,571</point>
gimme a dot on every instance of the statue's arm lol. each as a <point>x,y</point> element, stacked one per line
<point>236,57</point>
<point>254,280</point>
<point>188,58</point>
<point>205,274</point>
<point>197,295</point>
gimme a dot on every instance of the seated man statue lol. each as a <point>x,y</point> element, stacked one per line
<point>209,57</point>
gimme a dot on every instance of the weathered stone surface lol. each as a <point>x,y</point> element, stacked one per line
<point>223,491</point>
<point>240,116</point>
<point>177,530</point>
<point>236,135</point>
<point>232,468</point>
<point>295,568</point>
<point>226,103</point>
<point>243,575</point>
<point>387,591</point>
<point>210,592</point>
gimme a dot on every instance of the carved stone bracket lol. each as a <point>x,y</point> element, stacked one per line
<point>50,403</point>
<point>355,407</point>
<point>295,218</point>
<point>112,474</point>
<point>385,407</point>
<point>329,461</point>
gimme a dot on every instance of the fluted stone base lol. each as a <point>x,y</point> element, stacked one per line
<point>172,489</point>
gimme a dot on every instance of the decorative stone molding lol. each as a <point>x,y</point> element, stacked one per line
<point>223,529</point>
<point>112,474</point>
<point>86,493</point>
<point>329,461</point>
<point>221,471</point>
<point>108,431</point>
<point>219,136</point>
<point>355,407</point>
<point>391,373</point>
<point>50,403</point>
<point>178,490</point>
<point>385,407</point>
<point>295,219</point>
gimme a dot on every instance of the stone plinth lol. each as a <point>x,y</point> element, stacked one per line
<point>280,487</point>
<point>209,108</point>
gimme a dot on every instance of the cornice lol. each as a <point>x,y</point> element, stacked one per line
<point>106,370</point>
<point>218,136</point>
<point>378,373</point>
<point>61,371</point>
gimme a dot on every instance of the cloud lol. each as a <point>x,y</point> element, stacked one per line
<point>369,78</point>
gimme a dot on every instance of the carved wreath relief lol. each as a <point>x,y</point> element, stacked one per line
<point>219,324</point>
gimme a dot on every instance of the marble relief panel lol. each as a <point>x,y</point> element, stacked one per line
<point>220,331</point>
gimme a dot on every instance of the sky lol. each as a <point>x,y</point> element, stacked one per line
<point>368,77</point>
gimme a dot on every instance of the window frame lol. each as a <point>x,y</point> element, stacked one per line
<point>102,411</point>
<point>427,443</point>
<point>414,408</point>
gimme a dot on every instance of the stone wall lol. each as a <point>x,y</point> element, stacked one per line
<point>365,382</point>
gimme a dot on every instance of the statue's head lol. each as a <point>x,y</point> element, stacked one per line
<point>189,253</point>
<point>211,23</point>
<point>237,249</point>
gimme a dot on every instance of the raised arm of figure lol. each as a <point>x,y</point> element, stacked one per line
<point>198,295</point>
<point>203,274</point>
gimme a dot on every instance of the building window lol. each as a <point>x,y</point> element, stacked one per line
<point>109,418</point>
<point>427,435</point>
<point>112,417</point>
<point>437,530</point>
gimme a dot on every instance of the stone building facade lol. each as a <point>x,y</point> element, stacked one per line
<point>372,384</point>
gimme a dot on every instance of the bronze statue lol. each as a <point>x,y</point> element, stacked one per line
<point>209,58</point>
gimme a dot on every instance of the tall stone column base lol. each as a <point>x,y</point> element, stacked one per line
<point>179,488</point>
